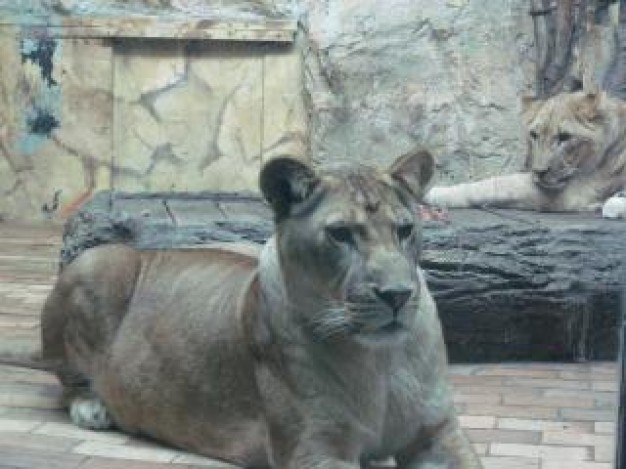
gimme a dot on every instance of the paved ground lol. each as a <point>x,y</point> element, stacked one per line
<point>519,416</point>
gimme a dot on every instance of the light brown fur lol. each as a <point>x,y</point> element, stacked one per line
<point>324,351</point>
<point>576,159</point>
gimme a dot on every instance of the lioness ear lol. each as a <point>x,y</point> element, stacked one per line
<point>414,171</point>
<point>285,181</point>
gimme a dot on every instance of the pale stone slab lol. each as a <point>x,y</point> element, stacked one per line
<point>510,463</point>
<point>509,423</point>
<point>284,113</point>
<point>477,421</point>
<point>72,431</point>
<point>202,461</point>
<point>29,441</point>
<point>195,127</point>
<point>558,464</point>
<point>18,426</point>
<point>95,448</point>
<point>563,453</point>
<point>605,427</point>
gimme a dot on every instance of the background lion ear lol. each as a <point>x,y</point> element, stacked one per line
<point>530,106</point>
<point>589,106</point>
<point>528,102</point>
<point>285,181</point>
<point>414,171</point>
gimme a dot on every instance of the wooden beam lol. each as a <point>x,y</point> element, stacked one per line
<point>156,27</point>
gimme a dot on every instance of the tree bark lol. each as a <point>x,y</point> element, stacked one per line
<point>509,285</point>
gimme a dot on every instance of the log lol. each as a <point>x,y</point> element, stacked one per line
<point>514,285</point>
<point>509,285</point>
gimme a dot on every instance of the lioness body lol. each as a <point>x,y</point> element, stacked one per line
<point>576,159</point>
<point>322,352</point>
<point>136,325</point>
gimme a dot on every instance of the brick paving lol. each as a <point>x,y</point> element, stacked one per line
<point>518,416</point>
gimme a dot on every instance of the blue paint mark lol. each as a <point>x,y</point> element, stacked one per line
<point>41,122</point>
<point>41,53</point>
<point>30,143</point>
<point>42,115</point>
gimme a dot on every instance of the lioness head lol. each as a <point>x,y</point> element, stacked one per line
<point>348,243</point>
<point>567,136</point>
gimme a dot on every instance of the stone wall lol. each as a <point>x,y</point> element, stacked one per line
<point>448,75</point>
<point>98,94</point>
<point>91,102</point>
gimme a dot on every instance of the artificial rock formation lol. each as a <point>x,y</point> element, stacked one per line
<point>110,96</point>
<point>509,285</point>
<point>106,95</point>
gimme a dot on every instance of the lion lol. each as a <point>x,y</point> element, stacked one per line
<point>576,160</point>
<point>323,350</point>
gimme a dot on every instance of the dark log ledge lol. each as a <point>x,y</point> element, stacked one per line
<point>509,285</point>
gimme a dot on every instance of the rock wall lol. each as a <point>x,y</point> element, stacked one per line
<point>92,99</point>
<point>448,75</point>
<point>104,94</point>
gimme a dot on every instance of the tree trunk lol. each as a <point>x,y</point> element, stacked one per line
<point>509,285</point>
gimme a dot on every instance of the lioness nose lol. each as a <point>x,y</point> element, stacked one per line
<point>396,298</point>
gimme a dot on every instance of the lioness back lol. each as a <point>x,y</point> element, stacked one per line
<point>111,274</point>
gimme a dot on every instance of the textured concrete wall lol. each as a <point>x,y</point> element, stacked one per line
<point>385,76</point>
<point>239,8</point>
<point>81,115</point>
<point>366,80</point>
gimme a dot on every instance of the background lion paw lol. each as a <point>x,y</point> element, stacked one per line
<point>615,206</point>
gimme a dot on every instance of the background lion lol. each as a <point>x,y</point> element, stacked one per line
<point>576,160</point>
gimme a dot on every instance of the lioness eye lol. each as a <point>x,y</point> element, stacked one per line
<point>340,234</point>
<point>563,137</point>
<point>405,231</point>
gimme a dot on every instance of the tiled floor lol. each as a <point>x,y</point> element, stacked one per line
<point>519,416</point>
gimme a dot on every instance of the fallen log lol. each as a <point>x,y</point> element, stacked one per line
<point>509,285</point>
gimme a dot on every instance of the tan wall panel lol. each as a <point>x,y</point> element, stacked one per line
<point>186,119</point>
<point>55,121</point>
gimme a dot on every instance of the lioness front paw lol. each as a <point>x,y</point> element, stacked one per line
<point>90,413</point>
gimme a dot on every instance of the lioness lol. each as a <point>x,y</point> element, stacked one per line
<point>323,351</point>
<point>576,159</point>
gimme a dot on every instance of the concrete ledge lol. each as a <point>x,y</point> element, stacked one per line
<point>157,27</point>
